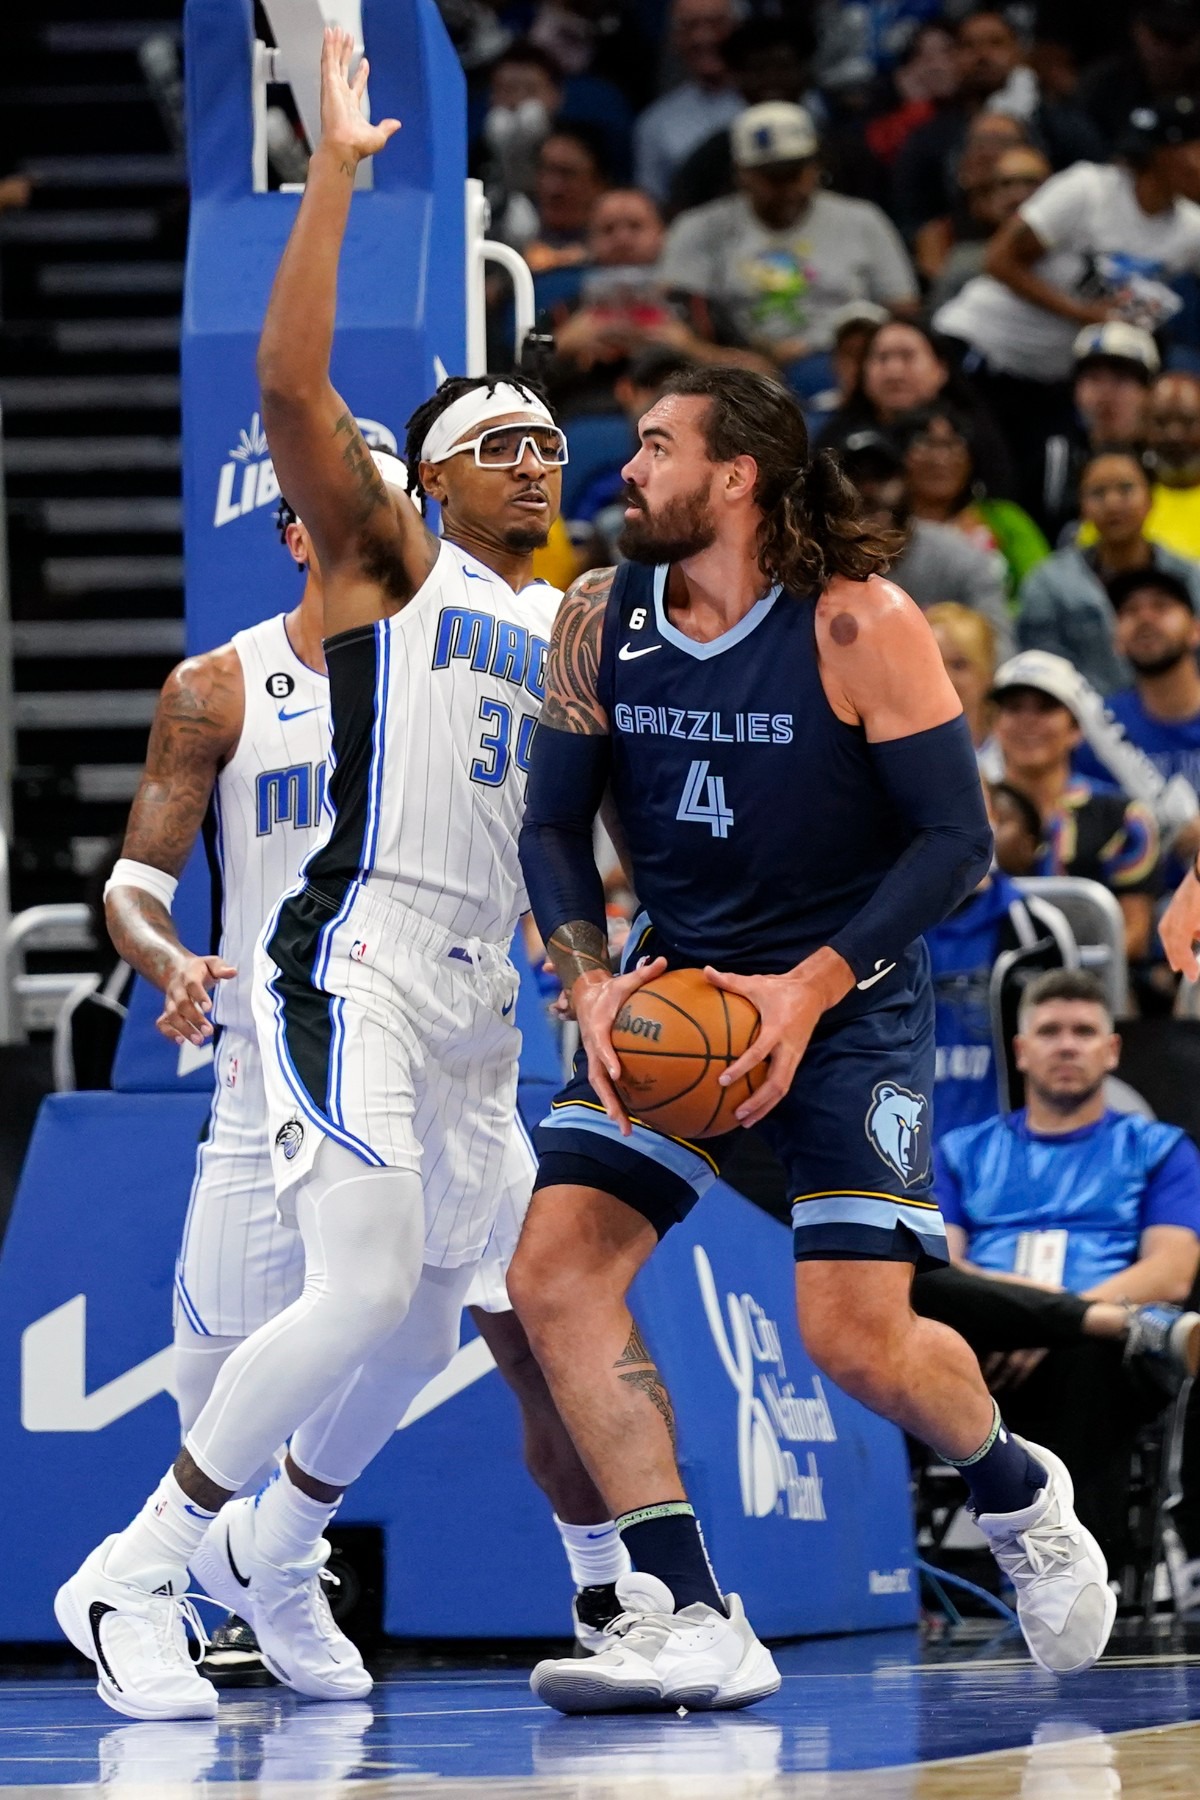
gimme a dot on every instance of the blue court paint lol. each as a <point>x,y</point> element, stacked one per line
<point>846,1704</point>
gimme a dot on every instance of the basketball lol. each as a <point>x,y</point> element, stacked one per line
<point>675,1038</point>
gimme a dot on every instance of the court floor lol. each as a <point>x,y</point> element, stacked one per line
<point>883,1717</point>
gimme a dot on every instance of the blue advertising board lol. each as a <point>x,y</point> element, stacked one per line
<point>803,1494</point>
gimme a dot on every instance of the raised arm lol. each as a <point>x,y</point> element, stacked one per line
<point>196,728</point>
<point>322,463</point>
<point>568,779</point>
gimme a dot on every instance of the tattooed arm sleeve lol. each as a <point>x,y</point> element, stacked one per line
<point>196,728</point>
<point>567,781</point>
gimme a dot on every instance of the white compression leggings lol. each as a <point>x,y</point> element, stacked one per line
<point>340,1365</point>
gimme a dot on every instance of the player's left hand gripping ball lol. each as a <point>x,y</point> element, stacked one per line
<point>789,1007</point>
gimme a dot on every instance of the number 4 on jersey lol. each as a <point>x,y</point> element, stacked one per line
<point>703,801</point>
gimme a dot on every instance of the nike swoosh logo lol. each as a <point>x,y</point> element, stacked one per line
<point>242,1580</point>
<point>601,1534</point>
<point>98,1611</point>
<point>284,717</point>
<point>197,1512</point>
<point>627,653</point>
<point>872,979</point>
<point>505,1010</point>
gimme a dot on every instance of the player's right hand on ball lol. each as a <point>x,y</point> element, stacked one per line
<point>184,1017</point>
<point>343,126</point>
<point>597,999</point>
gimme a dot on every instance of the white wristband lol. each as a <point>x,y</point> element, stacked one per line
<point>127,873</point>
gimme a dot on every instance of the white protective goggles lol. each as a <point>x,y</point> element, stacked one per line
<point>503,446</point>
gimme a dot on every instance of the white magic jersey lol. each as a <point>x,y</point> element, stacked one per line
<point>268,802</point>
<point>435,712</point>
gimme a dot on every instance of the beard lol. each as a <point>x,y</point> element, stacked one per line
<point>523,539</point>
<point>1159,665</point>
<point>684,527</point>
<point>1065,1100</point>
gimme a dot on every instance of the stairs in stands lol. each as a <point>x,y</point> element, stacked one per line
<point>91,279</point>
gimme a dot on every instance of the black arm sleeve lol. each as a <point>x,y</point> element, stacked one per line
<point>568,773</point>
<point>933,781</point>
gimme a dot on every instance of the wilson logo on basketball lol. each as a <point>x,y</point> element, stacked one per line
<point>636,1026</point>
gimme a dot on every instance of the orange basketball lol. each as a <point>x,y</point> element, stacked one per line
<point>675,1037</point>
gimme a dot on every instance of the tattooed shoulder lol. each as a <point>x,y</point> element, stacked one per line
<point>574,664</point>
<point>200,711</point>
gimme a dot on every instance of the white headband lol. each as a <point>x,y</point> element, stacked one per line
<point>474,408</point>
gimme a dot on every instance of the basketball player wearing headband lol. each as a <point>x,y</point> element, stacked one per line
<point>797,789</point>
<point>384,993</point>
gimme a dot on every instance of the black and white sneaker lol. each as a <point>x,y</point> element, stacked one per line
<point>138,1640</point>
<point>233,1647</point>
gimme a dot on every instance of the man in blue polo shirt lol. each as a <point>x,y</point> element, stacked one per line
<point>1068,1196</point>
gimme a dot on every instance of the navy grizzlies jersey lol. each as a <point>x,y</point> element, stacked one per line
<point>756,823</point>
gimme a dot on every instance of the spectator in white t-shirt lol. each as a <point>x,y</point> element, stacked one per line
<point>1100,241</point>
<point>783,255</point>
<point>706,101</point>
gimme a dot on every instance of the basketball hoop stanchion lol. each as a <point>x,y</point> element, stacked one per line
<point>482,250</point>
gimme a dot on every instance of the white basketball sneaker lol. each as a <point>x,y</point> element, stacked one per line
<point>285,1607</point>
<point>658,1659</point>
<point>137,1640</point>
<point>1064,1603</point>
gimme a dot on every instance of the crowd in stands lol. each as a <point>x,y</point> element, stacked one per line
<point>968,239</point>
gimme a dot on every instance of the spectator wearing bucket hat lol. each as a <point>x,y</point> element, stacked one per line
<point>1090,828</point>
<point>783,255</point>
<point>1064,604</point>
<point>1115,365</point>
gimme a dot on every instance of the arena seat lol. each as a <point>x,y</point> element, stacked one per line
<point>1098,927</point>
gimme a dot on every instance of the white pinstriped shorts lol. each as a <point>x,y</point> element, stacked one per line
<point>384,1032</point>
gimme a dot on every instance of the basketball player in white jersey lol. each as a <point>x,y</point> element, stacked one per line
<point>238,747</point>
<point>384,992</point>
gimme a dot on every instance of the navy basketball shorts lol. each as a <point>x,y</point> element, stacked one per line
<point>852,1134</point>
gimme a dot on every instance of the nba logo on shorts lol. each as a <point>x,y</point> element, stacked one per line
<point>898,1127</point>
<point>358,950</point>
<point>231,1077</point>
<point>289,1138</point>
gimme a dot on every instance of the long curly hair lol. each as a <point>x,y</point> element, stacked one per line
<point>812,518</point>
<point>452,389</point>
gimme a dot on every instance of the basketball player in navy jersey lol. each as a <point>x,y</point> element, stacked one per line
<point>795,782</point>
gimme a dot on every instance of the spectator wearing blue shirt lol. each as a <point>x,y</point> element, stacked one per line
<point>1158,634</point>
<point>1067,1196</point>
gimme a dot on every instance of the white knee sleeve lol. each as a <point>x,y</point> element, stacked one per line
<point>342,1436</point>
<point>364,1236</point>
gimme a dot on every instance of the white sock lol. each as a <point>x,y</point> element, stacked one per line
<point>165,1535</point>
<point>288,1524</point>
<point>596,1553</point>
